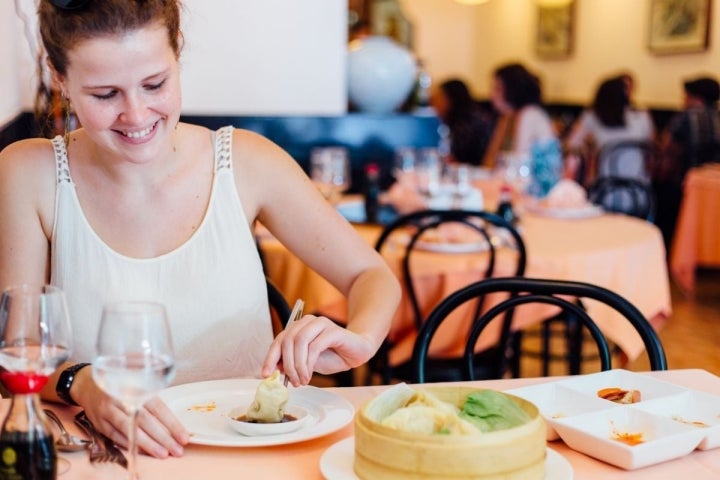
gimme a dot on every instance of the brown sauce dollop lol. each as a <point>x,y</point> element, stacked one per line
<point>286,418</point>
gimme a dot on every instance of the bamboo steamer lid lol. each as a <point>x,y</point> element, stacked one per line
<point>383,453</point>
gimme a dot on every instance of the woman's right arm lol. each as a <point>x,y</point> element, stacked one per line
<point>27,198</point>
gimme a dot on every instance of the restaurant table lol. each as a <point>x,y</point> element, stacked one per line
<point>696,241</point>
<point>621,253</point>
<point>301,460</point>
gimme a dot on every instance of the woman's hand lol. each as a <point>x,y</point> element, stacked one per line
<point>160,434</point>
<point>316,344</point>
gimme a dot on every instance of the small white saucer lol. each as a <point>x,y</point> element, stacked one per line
<point>252,429</point>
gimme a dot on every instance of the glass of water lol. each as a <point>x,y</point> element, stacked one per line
<point>330,171</point>
<point>134,360</point>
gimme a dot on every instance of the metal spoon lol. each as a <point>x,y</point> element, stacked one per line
<point>66,442</point>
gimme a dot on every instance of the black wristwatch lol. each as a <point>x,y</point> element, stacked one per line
<point>67,377</point>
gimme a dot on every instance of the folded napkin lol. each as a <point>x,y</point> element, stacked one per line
<point>566,194</point>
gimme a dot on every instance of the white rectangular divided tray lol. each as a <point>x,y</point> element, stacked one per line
<point>669,420</point>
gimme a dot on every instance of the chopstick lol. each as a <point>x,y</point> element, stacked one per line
<point>296,314</point>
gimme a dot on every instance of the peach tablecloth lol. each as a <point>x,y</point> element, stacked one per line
<point>618,252</point>
<point>697,235</point>
<point>301,461</point>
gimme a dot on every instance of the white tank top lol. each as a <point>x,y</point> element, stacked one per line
<point>212,285</point>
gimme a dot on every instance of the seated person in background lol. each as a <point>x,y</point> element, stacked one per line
<point>523,122</point>
<point>469,129</point>
<point>691,138</point>
<point>609,121</point>
<point>137,205</point>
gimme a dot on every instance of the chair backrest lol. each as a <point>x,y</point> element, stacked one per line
<point>487,226</point>
<point>624,195</point>
<point>534,290</point>
<point>626,159</point>
<point>278,305</point>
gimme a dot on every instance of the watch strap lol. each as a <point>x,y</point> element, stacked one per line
<point>65,381</point>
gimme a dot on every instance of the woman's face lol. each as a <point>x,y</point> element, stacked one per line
<point>126,91</point>
<point>498,96</point>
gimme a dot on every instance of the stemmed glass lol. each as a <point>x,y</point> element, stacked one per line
<point>34,340</point>
<point>330,171</point>
<point>134,360</point>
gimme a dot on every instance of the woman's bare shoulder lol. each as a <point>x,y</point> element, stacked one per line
<point>251,149</point>
<point>27,159</point>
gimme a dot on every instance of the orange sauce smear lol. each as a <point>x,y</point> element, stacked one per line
<point>695,423</point>
<point>207,407</point>
<point>630,439</point>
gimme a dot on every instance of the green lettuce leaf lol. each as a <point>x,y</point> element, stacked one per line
<point>490,411</point>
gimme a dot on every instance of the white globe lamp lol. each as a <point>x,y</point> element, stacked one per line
<point>381,74</point>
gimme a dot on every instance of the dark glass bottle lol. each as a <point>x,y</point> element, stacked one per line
<point>505,207</point>
<point>27,450</point>
<point>372,192</point>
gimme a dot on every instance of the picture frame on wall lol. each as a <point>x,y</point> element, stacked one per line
<point>679,26</point>
<point>555,30</point>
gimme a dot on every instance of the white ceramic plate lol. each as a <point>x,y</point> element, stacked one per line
<point>699,409</point>
<point>336,463</point>
<point>600,435</point>
<point>481,245</point>
<point>203,407</point>
<point>650,388</point>
<point>587,211</point>
<point>555,402</point>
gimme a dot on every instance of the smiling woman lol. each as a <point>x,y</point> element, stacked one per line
<point>138,206</point>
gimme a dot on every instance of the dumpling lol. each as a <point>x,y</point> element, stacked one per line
<point>270,399</point>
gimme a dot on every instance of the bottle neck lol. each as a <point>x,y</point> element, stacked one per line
<point>25,415</point>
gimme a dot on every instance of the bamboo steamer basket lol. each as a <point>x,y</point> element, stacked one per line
<point>383,453</point>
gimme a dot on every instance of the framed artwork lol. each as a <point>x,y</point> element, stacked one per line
<point>555,30</point>
<point>679,26</point>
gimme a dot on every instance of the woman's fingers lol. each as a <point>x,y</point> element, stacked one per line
<point>314,344</point>
<point>159,432</point>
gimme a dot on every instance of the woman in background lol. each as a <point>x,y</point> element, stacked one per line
<point>468,127</point>
<point>516,95</point>
<point>609,121</point>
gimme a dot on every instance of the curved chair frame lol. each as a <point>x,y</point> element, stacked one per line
<point>277,302</point>
<point>527,290</point>
<point>606,186</point>
<point>428,219</point>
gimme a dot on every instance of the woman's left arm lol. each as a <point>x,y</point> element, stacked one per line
<point>275,190</point>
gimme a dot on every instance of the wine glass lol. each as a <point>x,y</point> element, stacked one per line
<point>330,171</point>
<point>34,340</point>
<point>428,171</point>
<point>134,360</point>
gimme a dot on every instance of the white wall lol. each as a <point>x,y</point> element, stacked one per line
<point>10,79</point>
<point>265,57</point>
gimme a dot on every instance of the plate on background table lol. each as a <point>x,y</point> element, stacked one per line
<point>586,211</point>
<point>203,409</point>
<point>336,463</point>
<point>354,212</point>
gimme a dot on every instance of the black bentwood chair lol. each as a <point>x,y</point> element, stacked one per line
<point>624,195</point>
<point>493,233</point>
<point>279,307</point>
<point>533,290</point>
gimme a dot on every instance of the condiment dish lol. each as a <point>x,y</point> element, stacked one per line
<point>295,418</point>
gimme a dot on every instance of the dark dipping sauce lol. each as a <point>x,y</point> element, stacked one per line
<point>286,418</point>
